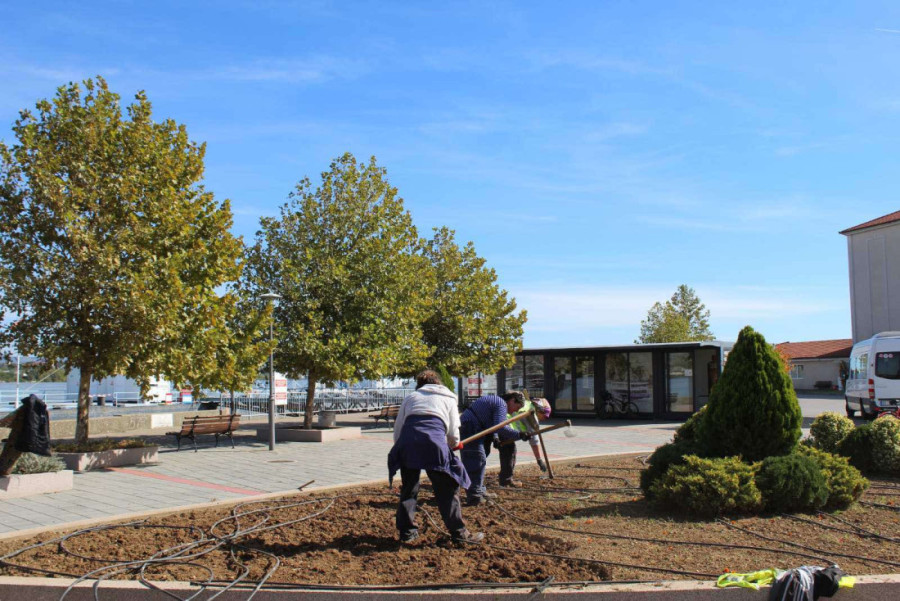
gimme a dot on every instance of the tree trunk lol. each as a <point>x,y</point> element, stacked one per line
<point>82,424</point>
<point>310,402</point>
<point>10,453</point>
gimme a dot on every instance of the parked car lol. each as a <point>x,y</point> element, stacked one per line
<point>874,380</point>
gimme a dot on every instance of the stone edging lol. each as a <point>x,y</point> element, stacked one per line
<point>871,588</point>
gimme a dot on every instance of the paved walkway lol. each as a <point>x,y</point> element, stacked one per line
<point>185,477</point>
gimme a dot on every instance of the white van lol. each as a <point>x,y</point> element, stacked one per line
<point>874,380</point>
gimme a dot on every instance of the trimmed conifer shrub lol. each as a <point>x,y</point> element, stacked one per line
<point>708,487</point>
<point>857,448</point>
<point>829,429</point>
<point>845,483</point>
<point>791,483</point>
<point>753,409</point>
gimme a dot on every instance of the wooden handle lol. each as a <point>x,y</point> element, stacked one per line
<point>565,424</point>
<point>493,429</point>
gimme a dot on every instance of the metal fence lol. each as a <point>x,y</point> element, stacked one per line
<point>343,401</point>
<point>64,400</point>
<point>257,403</point>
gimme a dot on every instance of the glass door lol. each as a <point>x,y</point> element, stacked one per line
<point>679,382</point>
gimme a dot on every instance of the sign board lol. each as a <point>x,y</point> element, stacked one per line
<point>281,389</point>
<point>187,396</point>
<point>474,385</point>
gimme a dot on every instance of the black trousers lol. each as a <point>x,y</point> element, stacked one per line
<point>445,493</point>
<point>507,462</point>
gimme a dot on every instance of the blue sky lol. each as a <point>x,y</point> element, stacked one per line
<point>598,154</point>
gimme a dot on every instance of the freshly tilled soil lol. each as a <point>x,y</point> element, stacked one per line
<point>590,523</point>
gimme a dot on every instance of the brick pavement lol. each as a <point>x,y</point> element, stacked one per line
<point>213,474</point>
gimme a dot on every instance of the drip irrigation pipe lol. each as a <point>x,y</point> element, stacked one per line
<point>813,549</point>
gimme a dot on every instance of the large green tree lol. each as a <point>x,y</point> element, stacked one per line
<point>239,350</point>
<point>682,318</point>
<point>344,256</point>
<point>472,324</point>
<point>110,248</point>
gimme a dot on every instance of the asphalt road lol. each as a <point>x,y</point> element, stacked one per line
<point>812,404</point>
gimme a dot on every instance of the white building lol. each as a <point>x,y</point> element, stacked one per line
<point>873,251</point>
<point>123,388</point>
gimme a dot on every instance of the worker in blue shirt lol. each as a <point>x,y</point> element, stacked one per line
<point>485,412</point>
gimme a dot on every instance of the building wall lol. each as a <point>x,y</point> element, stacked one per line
<point>874,263</point>
<point>816,370</point>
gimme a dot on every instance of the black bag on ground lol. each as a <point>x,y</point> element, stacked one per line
<point>35,434</point>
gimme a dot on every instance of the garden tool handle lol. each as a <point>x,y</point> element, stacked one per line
<point>492,429</point>
<point>565,424</point>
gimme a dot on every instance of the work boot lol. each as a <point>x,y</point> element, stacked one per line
<point>512,484</point>
<point>474,501</point>
<point>409,537</point>
<point>466,536</point>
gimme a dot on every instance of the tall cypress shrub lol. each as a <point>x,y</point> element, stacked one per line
<point>753,409</point>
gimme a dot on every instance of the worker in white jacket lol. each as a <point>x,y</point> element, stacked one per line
<point>425,433</point>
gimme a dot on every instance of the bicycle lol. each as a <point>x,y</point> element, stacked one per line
<point>610,407</point>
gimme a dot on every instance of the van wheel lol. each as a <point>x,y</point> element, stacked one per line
<point>850,412</point>
<point>866,414</point>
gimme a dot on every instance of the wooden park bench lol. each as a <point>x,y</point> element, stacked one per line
<point>388,414</point>
<point>217,425</point>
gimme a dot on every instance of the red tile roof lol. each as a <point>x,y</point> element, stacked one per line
<point>889,218</point>
<point>817,349</point>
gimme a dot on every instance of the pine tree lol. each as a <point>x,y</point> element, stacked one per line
<point>753,409</point>
<point>683,318</point>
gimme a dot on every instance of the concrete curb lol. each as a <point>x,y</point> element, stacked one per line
<point>869,588</point>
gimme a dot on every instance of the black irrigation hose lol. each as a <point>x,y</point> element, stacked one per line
<point>661,541</point>
<point>813,549</point>
<point>571,557</point>
<point>853,528</point>
<point>881,505</point>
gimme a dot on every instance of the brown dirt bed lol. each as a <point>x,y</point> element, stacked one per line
<point>583,526</point>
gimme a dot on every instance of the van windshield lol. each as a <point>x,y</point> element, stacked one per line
<point>887,365</point>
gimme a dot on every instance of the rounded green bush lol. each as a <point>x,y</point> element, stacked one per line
<point>857,447</point>
<point>886,444</point>
<point>708,487</point>
<point>791,483</point>
<point>687,432</point>
<point>845,483</point>
<point>29,463</point>
<point>660,461</point>
<point>829,429</point>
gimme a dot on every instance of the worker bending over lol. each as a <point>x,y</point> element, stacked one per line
<point>541,407</point>
<point>425,432</point>
<point>485,412</point>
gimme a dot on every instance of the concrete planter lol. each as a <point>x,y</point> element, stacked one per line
<point>82,462</point>
<point>313,435</point>
<point>24,485</point>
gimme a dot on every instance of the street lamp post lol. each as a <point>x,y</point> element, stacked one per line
<point>271,297</point>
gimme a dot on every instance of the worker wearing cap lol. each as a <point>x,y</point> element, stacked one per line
<point>484,412</point>
<point>425,433</point>
<point>508,451</point>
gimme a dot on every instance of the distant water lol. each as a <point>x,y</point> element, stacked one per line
<point>41,389</point>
